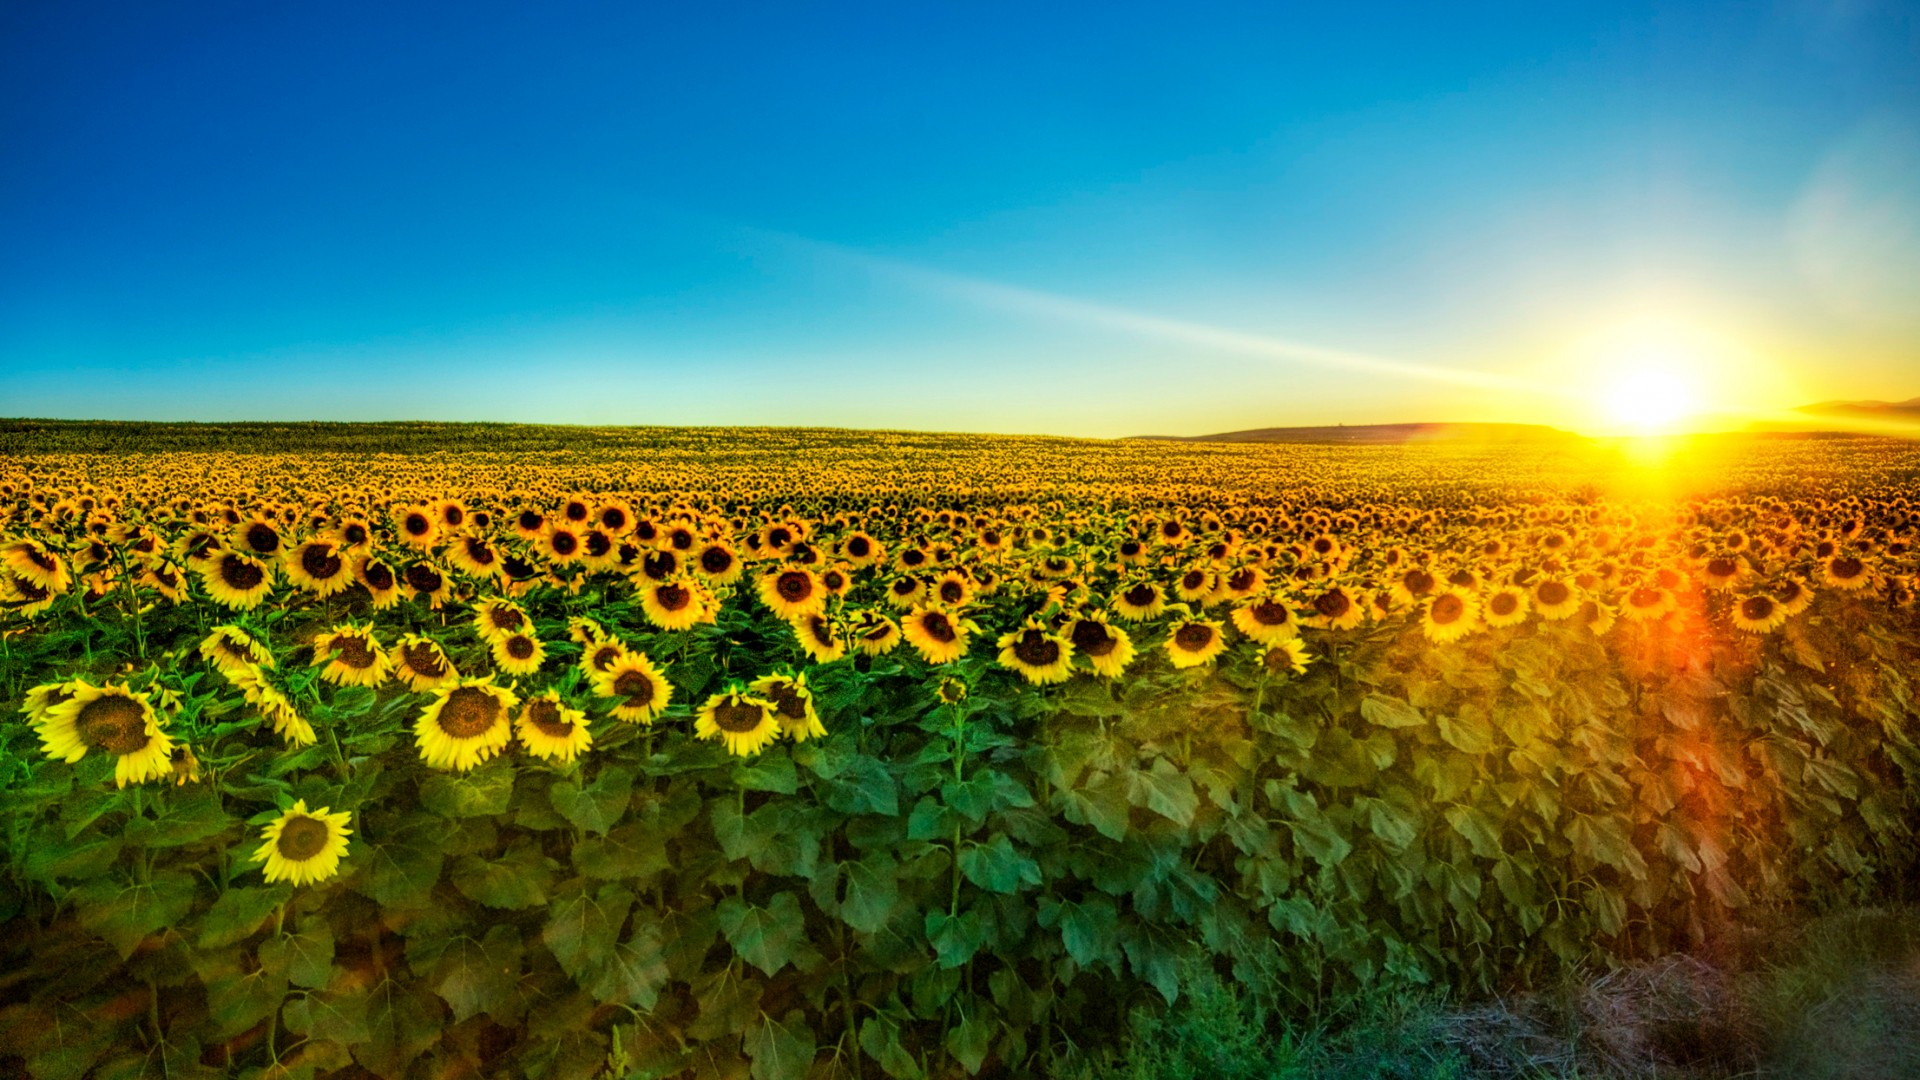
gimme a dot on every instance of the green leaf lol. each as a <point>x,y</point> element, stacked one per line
<point>484,792</point>
<point>582,928</point>
<point>766,937</point>
<point>972,1039</point>
<point>597,807</point>
<point>880,1038</point>
<point>1312,830</point>
<point>1604,838</point>
<point>633,850</point>
<point>1397,827</point>
<point>634,972</point>
<point>781,1051</point>
<point>1389,712</point>
<point>238,913</point>
<point>863,786</point>
<point>126,914</point>
<point>237,1000</point>
<point>517,879</point>
<point>339,1018</point>
<point>1087,929</point>
<point>477,976</point>
<point>192,814</point>
<point>997,867</point>
<point>873,888</point>
<point>1166,791</point>
<point>305,958</point>
<point>955,938</point>
<point>1102,805</point>
<point>769,772</point>
<point>402,875</point>
<point>402,1022</point>
<point>1480,830</point>
<point>1469,733</point>
<point>729,1001</point>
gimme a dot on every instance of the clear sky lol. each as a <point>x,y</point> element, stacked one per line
<point>1101,218</point>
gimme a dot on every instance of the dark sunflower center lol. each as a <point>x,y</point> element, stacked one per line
<point>788,702</point>
<point>113,723</point>
<point>577,511</point>
<point>794,586</point>
<point>355,534</point>
<point>1193,580</point>
<point>635,687</point>
<point>262,538</point>
<point>1756,608</point>
<point>938,627</point>
<point>520,647</point>
<point>1789,592</point>
<point>1417,582</point>
<point>614,518</point>
<point>379,576</point>
<point>319,561</point>
<point>1721,567</point>
<point>544,715</point>
<point>913,557</point>
<point>672,597</point>
<point>1554,593</point>
<point>779,537</point>
<point>506,618</point>
<point>301,838</point>
<point>598,543</point>
<point>453,516</point>
<point>858,547</point>
<point>1269,613</point>
<point>1447,609</point>
<point>530,520</point>
<point>906,586</point>
<point>1644,597</point>
<point>1036,649</point>
<point>821,632</point>
<point>423,578</point>
<point>1503,604</point>
<point>716,560</point>
<point>1140,595</point>
<point>423,659</point>
<point>1093,638</point>
<point>417,525</point>
<point>565,543</point>
<point>241,575</point>
<point>1848,567</point>
<point>737,716</point>
<point>1333,604</point>
<point>480,552</point>
<point>952,591</point>
<point>352,651</point>
<point>469,712</point>
<point>1193,637</point>
<point>1241,580</point>
<point>680,539</point>
<point>604,656</point>
<point>41,559</point>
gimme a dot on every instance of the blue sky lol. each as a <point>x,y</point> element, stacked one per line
<point>1099,219</point>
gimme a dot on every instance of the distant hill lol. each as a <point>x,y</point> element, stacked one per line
<point>1908,410</point>
<point>1901,418</point>
<point>1385,434</point>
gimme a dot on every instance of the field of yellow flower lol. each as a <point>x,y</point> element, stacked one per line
<point>457,750</point>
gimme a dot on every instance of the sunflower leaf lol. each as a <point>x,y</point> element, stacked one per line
<point>476,976</point>
<point>766,937</point>
<point>238,913</point>
<point>780,1050</point>
<point>597,807</point>
<point>481,793</point>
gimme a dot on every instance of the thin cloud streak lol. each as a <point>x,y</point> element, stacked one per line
<point>1106,316</point>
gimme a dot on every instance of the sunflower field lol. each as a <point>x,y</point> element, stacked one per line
<point>417,751</point>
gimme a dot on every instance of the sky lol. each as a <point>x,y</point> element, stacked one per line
<point>1099,219</point>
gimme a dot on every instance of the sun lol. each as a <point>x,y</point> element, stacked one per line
<point>1651,399</point>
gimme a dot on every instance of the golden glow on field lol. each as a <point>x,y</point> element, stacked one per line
<point>1651,398</point>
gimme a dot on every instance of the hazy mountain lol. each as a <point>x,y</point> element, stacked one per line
<point>1384,433</point>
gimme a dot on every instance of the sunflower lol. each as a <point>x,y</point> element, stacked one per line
<point>1648,601</point>
<point>1759,613</point>
<point>1267,620</point>
<point>236,580</point>
<point>1505,606</point>
<point>641,690</point>
<point>518,654</point>
<point>424,579</point>
<point>747,724</point>
<point>676,605</point>
<point>40,700</point>
<point>259,538</point>
<point>1794,595</point>
<point>874,634</point>
<point>464,724</point>
<point>30,560</point>
<point>1194,642</point>
<point>303,847</point>
<point>953,589</point>
<point>792,705</point>
<point>1555,599</point>
<point>791,592</point>
<point>1449,616</point>
<point>273,706</point>
<point>861,550</point>
<point>450,514</point>
<point>549,728</point>
<point>906,592</point>
<point>1040,657</point>
<point>1106,647</point>
<point>229,648</point>
<point>937,635</point>
<point>1413,584</point>
<point>354,534</point>
<point>1597,617</point>
<point>1140,602</point>
<point>1848,573</point>
<point>599,656</point>
<point>416,526</point>
<point>167,580</point>
<point>352,656</point>
<point>381,583</point>
<point>718,563</point>
<point>1289,656</point>
<point>422,664</point>
<point>1242,582</point>
<point>475,556</point>
<point>1336,609</point>
<point>496,618</point>
<point>561,543</point>
<point>113,720</point>
<point>818,638</point>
